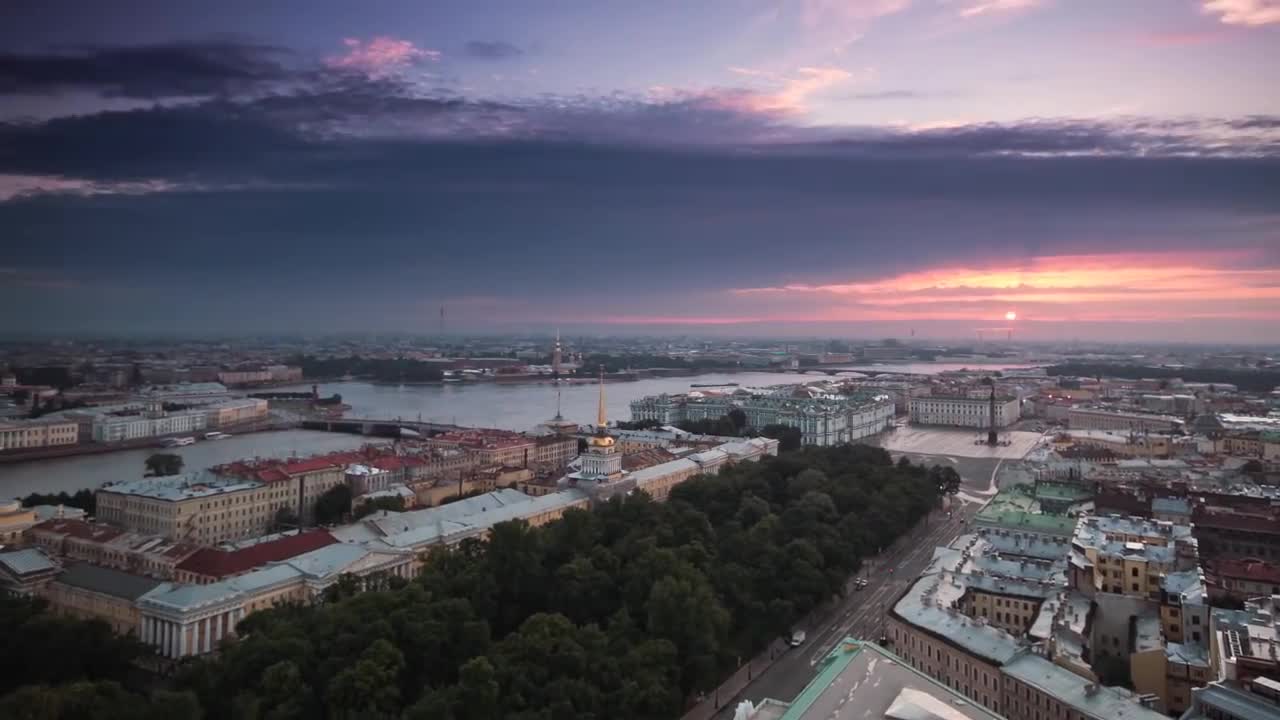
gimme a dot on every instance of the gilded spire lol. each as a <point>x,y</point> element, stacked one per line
<point>601,420</point>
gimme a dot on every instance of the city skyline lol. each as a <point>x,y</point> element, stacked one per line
<point>861,169</point>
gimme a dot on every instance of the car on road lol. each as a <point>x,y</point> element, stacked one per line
<point>859,583</point>
<point>797,638</point>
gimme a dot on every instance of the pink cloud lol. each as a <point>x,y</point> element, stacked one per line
<point>977,8</point>
<point>782,94</point>
<point>20,186</point>
<point>1180,39</point>
<point>380,54</point>
<point>1244,12</point>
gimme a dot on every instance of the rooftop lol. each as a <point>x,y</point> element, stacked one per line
<point>1090,699</point>
<point>27,561</point>
<point>928,605</point>
<point>107,581</point>
<point>1257,570</point>
<point>218,563</point>
<point>182,487</point>
<point>76,528</point>
<point>1170,506</point>
<point>1232,701</point>
<point>863,680</point>
<point>1035,522</point>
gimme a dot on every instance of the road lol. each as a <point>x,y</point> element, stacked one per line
<point>861,613</point>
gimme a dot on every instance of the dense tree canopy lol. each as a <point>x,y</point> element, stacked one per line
<point>627,611</point>
<point>161,464</point>
<point>382,369</point>
<point>56,668</point>
<point>624,612</point>
<point>83,499</point>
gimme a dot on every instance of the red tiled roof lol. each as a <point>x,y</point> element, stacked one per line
<point>81,530</point>
<point>1248,569</point>
<point>272,475</point>
<point>216,563</point>
<point>391,462</point>
<point>1237,521</point>
<point>309,465</point>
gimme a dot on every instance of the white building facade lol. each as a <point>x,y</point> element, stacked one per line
<point>117,428</point>
<point>959,411</point>
<point>824,421</point>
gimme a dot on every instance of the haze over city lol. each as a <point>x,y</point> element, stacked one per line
<point>865,168</point>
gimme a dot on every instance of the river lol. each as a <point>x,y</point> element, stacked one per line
<point>513,406</point>
<point>933,368</point>
<point>90,471</point>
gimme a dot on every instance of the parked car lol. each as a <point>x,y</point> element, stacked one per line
<point>797,638</point>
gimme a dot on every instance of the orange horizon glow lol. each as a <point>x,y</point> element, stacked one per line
<point>1120,287</point>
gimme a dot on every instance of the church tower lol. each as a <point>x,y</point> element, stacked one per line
<point>555,356</point>
<point>601,462</point>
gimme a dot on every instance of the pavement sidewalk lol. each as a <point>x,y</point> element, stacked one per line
<point>730,689</point>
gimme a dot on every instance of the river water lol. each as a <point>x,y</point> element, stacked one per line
<point>512,406</point>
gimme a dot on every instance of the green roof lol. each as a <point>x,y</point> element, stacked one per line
<point>1030,521</point>
<point>1061,491</point>
<point>855,696</point>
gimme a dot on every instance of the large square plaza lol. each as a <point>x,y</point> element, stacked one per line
<point>956,442</point>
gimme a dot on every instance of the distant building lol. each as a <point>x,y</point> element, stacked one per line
<point>490,447</point>
<point>247,376</point>
<point>27,434</point>
<point>204,507</point>
<point>963,411</point>
<point>132,422</point>
<point>1083,418</point>
<point>822,420</point>
<point>234,412</point>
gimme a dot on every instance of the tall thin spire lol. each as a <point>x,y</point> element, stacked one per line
<point>555,356</point>
<point>601,420</point>
<point>558,415</point>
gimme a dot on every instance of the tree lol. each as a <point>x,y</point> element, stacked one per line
<point>286,518</point>
<point>83,499</point>
<point>947,478</point>
<point>1252,466</point>
<point>393,503</point>
<point>370,688</point>
<point>789,438</point>
<point>739,420</point>
<point>624,612</point>
<point>333,505</point>
<point>161,464</point>
<point>478,691</point>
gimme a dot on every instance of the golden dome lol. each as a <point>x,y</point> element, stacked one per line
<point>601,441</point>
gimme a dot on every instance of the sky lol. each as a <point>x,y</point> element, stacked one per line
<point>1101,169</point>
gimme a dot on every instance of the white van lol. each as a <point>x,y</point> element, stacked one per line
<point>797,638</point>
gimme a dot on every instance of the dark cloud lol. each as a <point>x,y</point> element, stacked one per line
<point>146,72</point>
<point>492,50</point>
<point>384,191</point>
